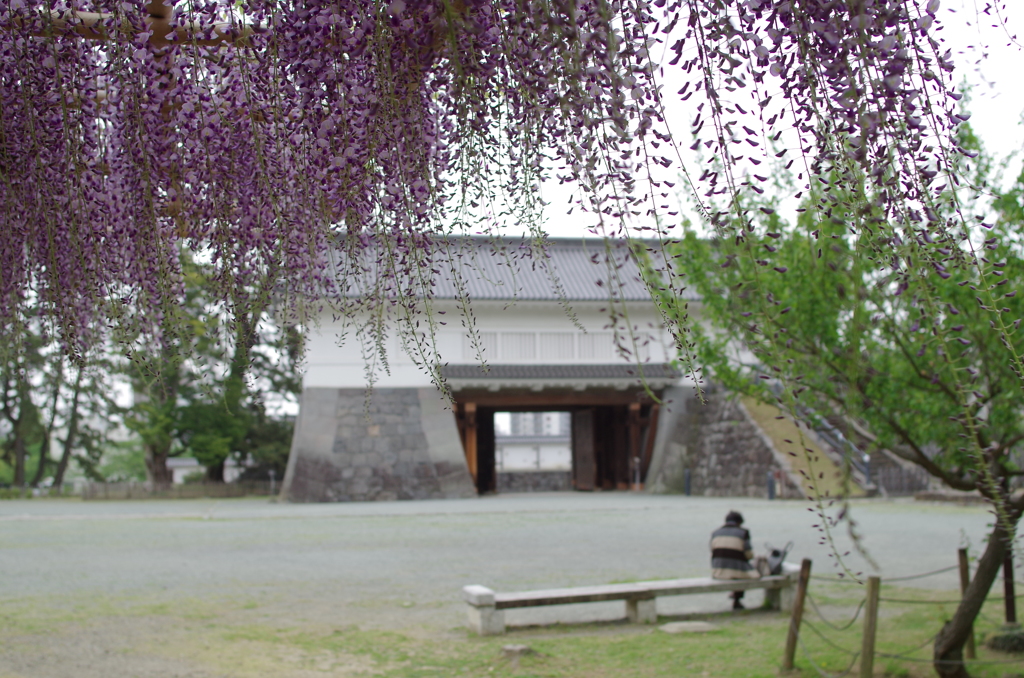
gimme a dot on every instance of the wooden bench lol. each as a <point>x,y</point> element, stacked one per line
<point>486,608</point>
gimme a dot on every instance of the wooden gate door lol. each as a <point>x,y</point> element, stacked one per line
<point>486,481</point>
<point>584,461</point>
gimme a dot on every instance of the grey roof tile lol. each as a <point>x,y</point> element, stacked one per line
<point>584,269</point>
<point>548,372</point>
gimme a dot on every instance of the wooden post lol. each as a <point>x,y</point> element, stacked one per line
<point>584,459</point>
<point>798,614</point>
<point>633,427</point>
<point>650,436</point>
<point>469,417</point>
<point>867,646</point>
<point>965,579</point>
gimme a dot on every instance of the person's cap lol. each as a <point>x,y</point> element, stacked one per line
<point>734,517</point>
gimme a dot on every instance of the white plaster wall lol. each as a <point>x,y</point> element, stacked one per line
<point>507,331</point>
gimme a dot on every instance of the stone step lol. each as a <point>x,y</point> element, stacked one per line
<point>799,450</point>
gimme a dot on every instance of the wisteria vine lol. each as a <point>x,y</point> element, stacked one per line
<point>283,142</point>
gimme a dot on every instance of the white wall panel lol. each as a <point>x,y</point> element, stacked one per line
<point>557,346</point>
<point>518,347</point>
<point>526,332</point>
<point>596,346</point>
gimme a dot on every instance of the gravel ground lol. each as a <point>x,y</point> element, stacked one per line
<point>397,565</point>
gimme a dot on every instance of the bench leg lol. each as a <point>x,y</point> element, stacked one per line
<point>772,599</point>
<point>642,611</point>
<point>781,599</point>
<point>486,620</point>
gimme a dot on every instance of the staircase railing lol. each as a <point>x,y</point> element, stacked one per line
<point>858,461</point>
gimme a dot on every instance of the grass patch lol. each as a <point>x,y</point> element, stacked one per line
<point>746,646</point>
<point>229,638</point>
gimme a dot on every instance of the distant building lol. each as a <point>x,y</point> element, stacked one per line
<point>182,467</point>
<point>534,452</point>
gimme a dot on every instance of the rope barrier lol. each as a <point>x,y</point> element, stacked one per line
<point>966,662</point>
<point>993,599</point>
<point>817,611</point>
<point>826,639</point>
<point>847,580</point>
<point>990,620</point>
<point>906,655</point>
<point>821,671</point>
<point>919,602</point>
<point>836,580</point>
<point>921,576</point>
<point>902,656</point>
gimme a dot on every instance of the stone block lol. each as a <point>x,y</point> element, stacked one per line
<point>484,618</point>
<point>391,453</point>
<point>642,611</point>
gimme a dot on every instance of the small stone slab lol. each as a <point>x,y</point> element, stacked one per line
<point>688,627</point>
<point>511,651</point>
<point>514,652</point>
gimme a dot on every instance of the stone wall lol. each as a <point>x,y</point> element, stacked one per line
<point>535,481</point>
<point>402,444</point>
<point>724,450</point>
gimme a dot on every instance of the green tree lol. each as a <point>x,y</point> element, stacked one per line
<point>25,370</point>
<point>88,414</point>
<point>904,350</point>
<point>201,392</point>
<point>47,397</point>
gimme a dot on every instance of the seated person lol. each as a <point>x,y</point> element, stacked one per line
<point>731,553</point>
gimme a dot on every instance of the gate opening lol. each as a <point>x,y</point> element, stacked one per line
<point>537,448</point>
<point>533,451</point>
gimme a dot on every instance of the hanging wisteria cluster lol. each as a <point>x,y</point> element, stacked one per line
<point>858,95</point>
<point>297,145</point>
<point>280,139</point>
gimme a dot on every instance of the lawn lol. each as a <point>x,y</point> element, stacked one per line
<point>238,638</point>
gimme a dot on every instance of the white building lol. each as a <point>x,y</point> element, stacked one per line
<point>572,331</point>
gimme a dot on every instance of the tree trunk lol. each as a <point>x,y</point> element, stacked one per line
<point>72,433</point>
<point>160,476</point>
<point>160,396</point>
<point>215,472</point>
<point>949,643</point>
<point>44,456</point>
<point>22,427</point>
<point>44,447</point>
<point>19,457</point>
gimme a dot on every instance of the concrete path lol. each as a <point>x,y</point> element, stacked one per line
<point>404,563</point>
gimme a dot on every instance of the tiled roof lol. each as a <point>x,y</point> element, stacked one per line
<point>591,269</point>
<point>551,372</point>
<point>584,270</point>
